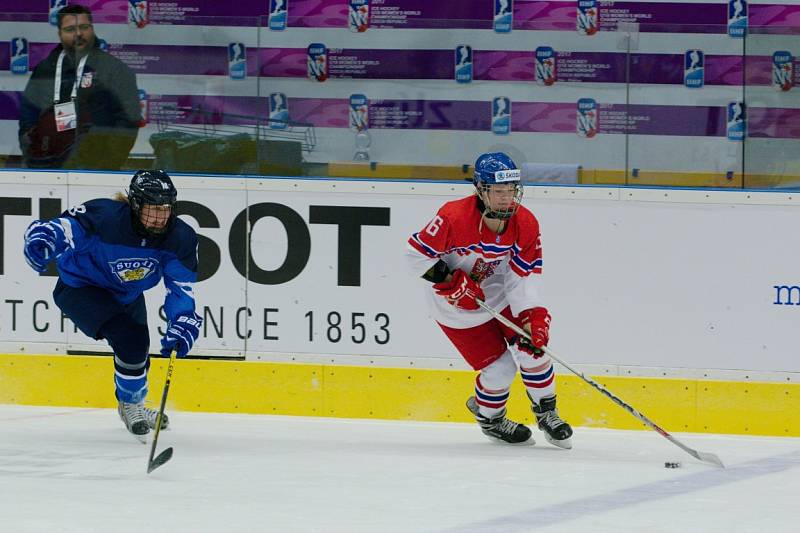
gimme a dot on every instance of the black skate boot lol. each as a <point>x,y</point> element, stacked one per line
<point>132,414</point>
<point>556,431</point>
<point>500,427</point>
<point>151,414</point>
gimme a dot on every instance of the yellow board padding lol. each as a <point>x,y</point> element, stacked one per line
<point>677,405</point>
<point>586,176</point>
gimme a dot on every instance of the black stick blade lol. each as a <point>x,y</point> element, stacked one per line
<point>162,458</point>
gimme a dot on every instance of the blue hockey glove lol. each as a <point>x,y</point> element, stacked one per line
<point>40,245</point>
<point>181,335</point>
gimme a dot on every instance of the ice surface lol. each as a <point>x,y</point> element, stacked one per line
<point>78,470</point>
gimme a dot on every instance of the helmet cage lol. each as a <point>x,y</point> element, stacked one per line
<point>483,189</point>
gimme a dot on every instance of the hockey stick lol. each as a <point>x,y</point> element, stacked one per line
<point>166,455</point>
<point>702,456</point>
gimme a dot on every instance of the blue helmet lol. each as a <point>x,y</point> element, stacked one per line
<point>488,165</point>
<point>497,168</point>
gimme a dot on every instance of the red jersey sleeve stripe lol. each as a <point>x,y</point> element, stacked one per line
<point>422,248</point>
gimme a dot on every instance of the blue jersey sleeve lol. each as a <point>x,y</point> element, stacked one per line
<point>180,274</point>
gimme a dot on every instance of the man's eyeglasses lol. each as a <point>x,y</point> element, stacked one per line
<point>73,29</point>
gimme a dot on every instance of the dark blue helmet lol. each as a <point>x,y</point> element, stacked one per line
<point>152,187</point>
<point>497,168</point>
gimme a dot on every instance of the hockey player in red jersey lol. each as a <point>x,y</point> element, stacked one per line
<point>487,246</point>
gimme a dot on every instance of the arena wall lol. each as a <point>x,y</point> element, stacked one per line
<point>682,302</point>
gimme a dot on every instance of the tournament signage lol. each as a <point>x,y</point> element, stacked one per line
<point>316,267</point>
<point>586,17</point>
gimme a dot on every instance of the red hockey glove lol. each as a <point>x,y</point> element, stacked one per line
<point>537,321</point>
<point>460,291</point>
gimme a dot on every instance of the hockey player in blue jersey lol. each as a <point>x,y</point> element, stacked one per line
<point>108,252</point>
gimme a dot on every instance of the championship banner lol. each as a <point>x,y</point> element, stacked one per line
<point>585,17</point>
<point>505,65</point>
<point>317,267</point>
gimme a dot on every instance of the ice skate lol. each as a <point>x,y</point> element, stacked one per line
<point>556,431</point>
<point>151,415</point>
<point>500,427</point>
<point>132,414</point>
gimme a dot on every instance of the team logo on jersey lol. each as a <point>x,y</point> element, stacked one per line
<point>545,60</point>
<point>143,105</point>
<point>132,270</point>
<point>55,7</point>
<point>587,21</point>
<point>483,269</point>
<point>237,61</point>
<point>358,16</point>
<point>278,111</point>
<point>587,118</point>
<point>503,15</point>
<point>501,115</point>
<point>317,62</point>
<point>138,13</point>
<point>359,112</point>
<point>782,70</point>
<point>463,63</point>
<point>737,121</point>
<point>20,56</point>
<point>694,67</point>
<point>737,18</point>
<point>278,14</point>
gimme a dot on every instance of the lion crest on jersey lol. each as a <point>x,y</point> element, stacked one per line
<point>132,270</point>
<point>483,269</point>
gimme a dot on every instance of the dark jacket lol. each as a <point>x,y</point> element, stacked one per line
<point>107,107</point>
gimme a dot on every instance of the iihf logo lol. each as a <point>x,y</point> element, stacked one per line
<point>503,15</point>
<point>694,68</point>
<point>19,55</point>
<point>317,62</point>
<point>737,18</point>
<point>463,63</point>
<point>358,16</point>
<point>359,112</point>
<point>501,115</point>
<point>278,14</point>
<point>55,7</point>
<point>137,13</point>
<point>132,270</point>
<point>782,70</point>
<point>588,19</point>
<point>278,111</point>
<point>586,124</point>
<point>737,121</point>
<point>237,61</point>
<point>545,60</point>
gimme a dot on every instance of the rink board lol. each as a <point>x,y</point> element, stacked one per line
<point>634,277</point>
<point>678,405</point>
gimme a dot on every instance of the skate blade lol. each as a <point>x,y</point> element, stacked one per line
<point>566,444</point>
<point>495,440</point>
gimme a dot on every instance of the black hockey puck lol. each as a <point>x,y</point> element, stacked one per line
<point>669,464</point>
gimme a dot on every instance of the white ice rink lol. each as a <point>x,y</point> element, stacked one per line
<point>78,470</point>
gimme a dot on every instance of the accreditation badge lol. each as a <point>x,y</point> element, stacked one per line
<point>66,118</point>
